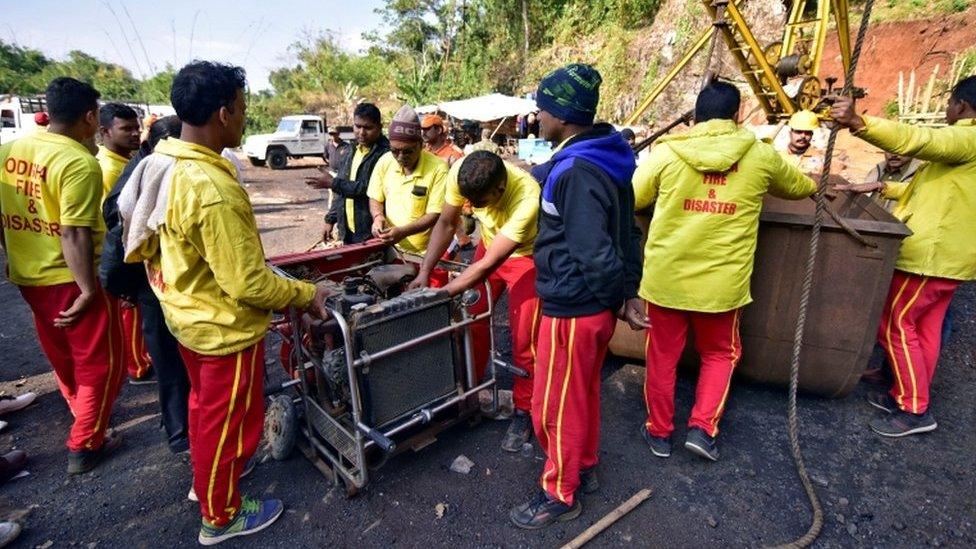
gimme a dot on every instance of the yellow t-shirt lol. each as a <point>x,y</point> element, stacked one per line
<point>207,263</point>
<point>112,165</point>
<point>357,160</point>
<point>515,215</point>
<point>707,186</point>
<point>47,181</point>
<point>407,198</point>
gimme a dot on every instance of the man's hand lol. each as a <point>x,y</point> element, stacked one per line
<point>842,111</point>
<point>327,232</point>
<point>633,312</point>
<point>860,187</point>
<point>379,226</point>
<point>321,181</point>
<point>391,235</point>
<point>318,302</point>
<point>421,281</point>
<point>70,316</point>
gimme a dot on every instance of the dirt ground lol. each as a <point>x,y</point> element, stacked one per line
<point>876,492</point>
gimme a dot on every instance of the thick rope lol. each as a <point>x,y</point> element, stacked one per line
<point>807,539</point>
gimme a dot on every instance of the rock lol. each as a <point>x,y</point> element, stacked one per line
<point>852,529</point>
<point>45,545</point>
<point>819,480</point>
<point>462,465</point>
<point>839,518</point>
<point>898,526</point>
<point>439,510</point>
<point>527,450</point>
<point>711,521</point>
<point>843,501</point>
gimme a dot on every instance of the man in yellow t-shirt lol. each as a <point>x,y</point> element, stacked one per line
<point>406,189</point>
<point>206,264</point>
<point>51,227</point>
<point>707,186</point>
<point>939,206</point>
<point>505,201</point>
<point>119,130</point>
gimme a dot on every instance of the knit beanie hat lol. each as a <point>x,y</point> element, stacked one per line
<point>405,125</point>
<point>571,93</point>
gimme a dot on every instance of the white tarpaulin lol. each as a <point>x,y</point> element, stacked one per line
<point>483,109</point>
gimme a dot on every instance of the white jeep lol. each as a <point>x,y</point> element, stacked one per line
<point>295,137</point>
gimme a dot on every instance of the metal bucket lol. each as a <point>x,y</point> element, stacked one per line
<point>850,286</point>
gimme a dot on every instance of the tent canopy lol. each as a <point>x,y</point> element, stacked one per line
<point>484,108</point>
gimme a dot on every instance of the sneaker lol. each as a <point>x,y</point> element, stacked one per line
<point>248,469</point>
<point>882,401</point>
<point>12,404</point>
<point>9,531</point>
<point>86,460</point>
<point>542,511</point>
<point>254,516</point>
<point>589,482</point>
<point>901,423</point>
<point>660,446</point>
<point>518,432</point>
<point>148,378</point>
<point>11,464</point>
<point>700,443</point>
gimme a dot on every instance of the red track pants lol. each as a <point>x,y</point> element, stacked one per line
<point>136,355</point>
<point>718,344</point>
<point>566,398</point>
<point>226,418</point>
<point>87,357</point>
<point>911,327</point>
<point>517,274</point>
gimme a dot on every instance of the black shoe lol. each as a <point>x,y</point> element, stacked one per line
<point>541,511</point>
<point>86,460</point>
<point>518,432</point>
<point>589,482</point>
<point>660,446</point>
<point>700,443</point>
<point>882,401</point>
<point>901,423</point>
<point>147,379</point>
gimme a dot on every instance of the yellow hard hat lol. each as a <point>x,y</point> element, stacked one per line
<point>804,121</point>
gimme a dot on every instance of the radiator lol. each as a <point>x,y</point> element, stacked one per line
<point>396,386</point>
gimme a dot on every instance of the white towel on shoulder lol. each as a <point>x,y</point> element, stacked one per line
<point>143,202</point>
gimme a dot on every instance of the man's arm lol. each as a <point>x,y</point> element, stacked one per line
<point>501,248</point>
<point>79,254</point>
<point>378,213</point>
<point>233,250</point>
<point>440,239</point>
<point>419,225</point>
<point>952,145</point>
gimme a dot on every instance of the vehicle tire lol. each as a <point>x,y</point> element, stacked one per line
<point>280,426</point>
<point>277,158</point>
<point>257,162</point>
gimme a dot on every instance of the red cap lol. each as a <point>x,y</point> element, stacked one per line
<point>41,118</point>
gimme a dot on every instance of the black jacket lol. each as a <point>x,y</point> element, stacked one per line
<point>587,252</point>
<point>343,187</point>
<point>119,278</point>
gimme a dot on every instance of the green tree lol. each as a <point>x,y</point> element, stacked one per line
<point>18,67</point>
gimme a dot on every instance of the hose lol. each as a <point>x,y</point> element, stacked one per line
<point>817,524</point>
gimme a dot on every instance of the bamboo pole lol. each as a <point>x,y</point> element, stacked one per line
<point>608,519</point>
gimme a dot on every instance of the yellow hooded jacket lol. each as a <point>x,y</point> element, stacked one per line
<point>939,203</point>
<point>206,263</point>
<point>708,185</point>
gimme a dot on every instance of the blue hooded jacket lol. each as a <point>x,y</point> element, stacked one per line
<point>587,251</point>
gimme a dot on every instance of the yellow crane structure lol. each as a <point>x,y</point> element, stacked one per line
<point>783,75</point>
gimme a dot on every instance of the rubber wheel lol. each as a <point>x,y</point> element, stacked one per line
<point>277,159</point>
<point>257,162</point>
<point>280,426</point>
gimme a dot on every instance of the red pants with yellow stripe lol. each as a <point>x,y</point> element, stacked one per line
<point>910,332</point>
<point>136,355</point>
<point>517,274</point>
<point>566,398</point>
<point>87,357</point>
<point>226,418</point>
<point>718,344</point>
